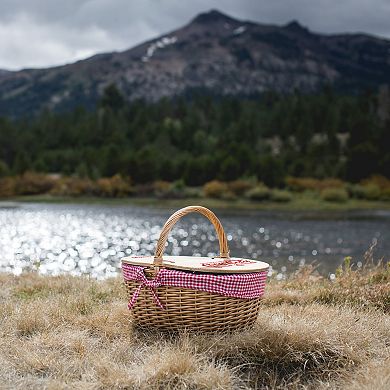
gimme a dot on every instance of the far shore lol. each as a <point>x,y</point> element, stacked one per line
<point>299,203</point>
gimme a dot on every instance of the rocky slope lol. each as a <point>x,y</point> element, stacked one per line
<point>213,53</point>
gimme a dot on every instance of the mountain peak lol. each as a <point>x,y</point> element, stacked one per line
<point>214,54</point>
<point>296,27</point>
<point>212,16</point>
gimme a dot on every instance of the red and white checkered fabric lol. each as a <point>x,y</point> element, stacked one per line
<point>247,286</point>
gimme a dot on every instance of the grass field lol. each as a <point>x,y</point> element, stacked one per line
<point>76,333</point>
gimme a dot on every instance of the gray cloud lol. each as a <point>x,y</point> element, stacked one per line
<point>38,33</point>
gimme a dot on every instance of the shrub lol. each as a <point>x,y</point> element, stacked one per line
<point>259,193</point>
<point>281,196</point>
<point>192,192</point>
<point>215,189</point>
<point>73,186</point>
<point>374,188</point>
<point>356,191</point>
<point>240,187</point>
<point>179,185</point>
<point>145,189</point>
<point>334,195</point>
<point>31,183</point>
<point>175,190</point>
<point>300,184</point>
<point>229,195</point>
<point>104,187</point>
<point>381,182</point>
<point>7,187</point>
<point>331,183</point>
<point>116,186</point>
<point>161,188</point>
<point>385,195</point>
<point>367,191</point>
<point>371,192</point>
<point>178,189</point>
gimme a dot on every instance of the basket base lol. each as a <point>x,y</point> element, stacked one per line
<point>192,310</point>
<point>210,328</point>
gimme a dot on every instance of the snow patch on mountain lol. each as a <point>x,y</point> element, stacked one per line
<point>239,30</point>
<point>160,44</point>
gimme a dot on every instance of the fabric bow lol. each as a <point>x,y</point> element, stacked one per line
<point>151,284</point>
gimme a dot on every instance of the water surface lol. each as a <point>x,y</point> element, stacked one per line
<point>91,239</point>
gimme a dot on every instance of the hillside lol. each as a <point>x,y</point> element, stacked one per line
<point>213,53</point>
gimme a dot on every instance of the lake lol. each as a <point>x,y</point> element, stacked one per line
<point>91,239</point>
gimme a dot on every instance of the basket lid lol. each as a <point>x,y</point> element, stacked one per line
<point>201,264</point>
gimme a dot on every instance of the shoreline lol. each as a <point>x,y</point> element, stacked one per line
<point>304,203</point>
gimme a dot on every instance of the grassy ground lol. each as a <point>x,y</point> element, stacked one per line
<point>300,202</point>
<point>76,333</point>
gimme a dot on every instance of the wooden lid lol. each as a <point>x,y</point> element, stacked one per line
<point>201,264</point>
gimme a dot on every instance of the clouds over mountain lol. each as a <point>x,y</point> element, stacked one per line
<point>40,33</point>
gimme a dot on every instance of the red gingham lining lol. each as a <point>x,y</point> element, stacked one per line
<point>247,286</point>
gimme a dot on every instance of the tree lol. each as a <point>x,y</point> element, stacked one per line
<point>22,163</point>
<point>4,169</point>
<point>112,98</point>
<point>270,171</point>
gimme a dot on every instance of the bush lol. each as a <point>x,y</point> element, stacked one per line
<point>371,192</point>
<point>385,195</point>
<point>116,186</point>
<point>179,185</point>
<point>301,184</point>
<point>259,193</point>
<point>356,191</point>
<point>161,188</point>
<point>31,183</point>
<point>240,187</point>
<point>281,196</point>
<point>145,189</point>
<point>382,182</point>
<point>229,195</point>
<point>334,195</point>
<point>175,190</point>
<point>331,183</point>
<point>192,192</point>
<point>73,186</point>
<point>7,187</point>
<point>368,191</point>
<point>215,189</point>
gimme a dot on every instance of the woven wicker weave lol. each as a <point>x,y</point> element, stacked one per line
<point>186,308</point>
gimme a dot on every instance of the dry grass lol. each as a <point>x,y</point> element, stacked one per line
<point>75,333</point>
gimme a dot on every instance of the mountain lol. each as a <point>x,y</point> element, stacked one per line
<point>214,53</point>
<point>3,72</point>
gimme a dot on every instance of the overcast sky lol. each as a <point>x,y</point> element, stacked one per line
<point>40,33</point>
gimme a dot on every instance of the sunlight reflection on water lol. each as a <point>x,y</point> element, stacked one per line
<point>80,239</point>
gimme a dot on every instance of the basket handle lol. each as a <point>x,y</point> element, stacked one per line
<point>223,246</point>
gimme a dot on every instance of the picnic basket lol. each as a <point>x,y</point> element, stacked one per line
<point>194,293</point>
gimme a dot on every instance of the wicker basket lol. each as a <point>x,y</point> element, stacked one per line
<point>185,308</point>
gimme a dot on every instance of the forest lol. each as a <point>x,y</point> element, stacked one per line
<point>206,138</point>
